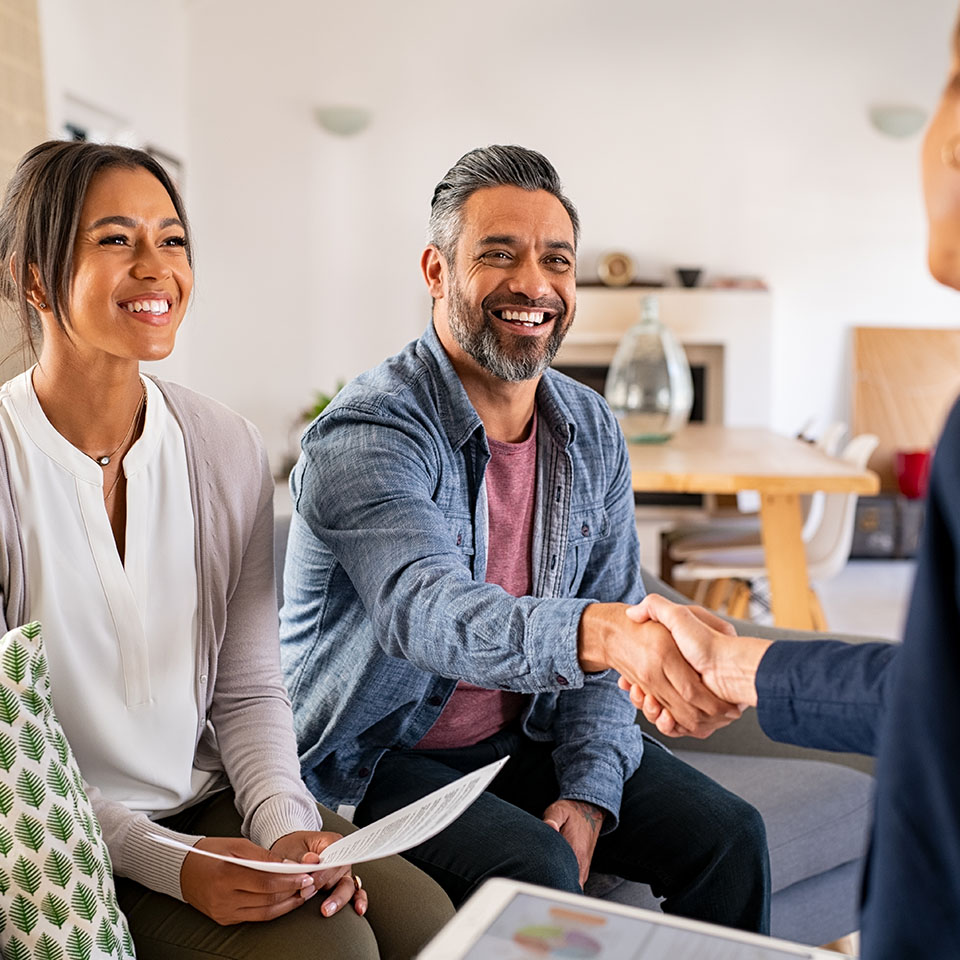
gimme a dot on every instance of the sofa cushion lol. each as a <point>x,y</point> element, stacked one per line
<point>57,895</point>
<point>817,814</point>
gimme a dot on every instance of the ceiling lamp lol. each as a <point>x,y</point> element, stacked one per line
<point>897,120</point>
<point>344,121</point>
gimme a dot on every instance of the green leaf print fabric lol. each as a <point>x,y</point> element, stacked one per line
<point>57,900</point>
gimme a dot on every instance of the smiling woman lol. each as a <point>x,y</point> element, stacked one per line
<point>136,525</point>
<point>135,266</point>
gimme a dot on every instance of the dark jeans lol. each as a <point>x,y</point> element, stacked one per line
<point>406,910</point>
<point>700,847</point>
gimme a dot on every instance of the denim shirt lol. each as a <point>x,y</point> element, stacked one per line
<point>386,605</point>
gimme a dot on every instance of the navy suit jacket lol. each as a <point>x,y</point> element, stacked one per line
<point>838,696</point>
<point>912,885</point>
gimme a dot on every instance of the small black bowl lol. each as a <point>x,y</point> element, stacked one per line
<point>689,276</point>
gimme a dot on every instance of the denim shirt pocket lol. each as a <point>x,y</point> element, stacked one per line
<point>588,525</point>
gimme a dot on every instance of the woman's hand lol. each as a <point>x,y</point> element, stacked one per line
<point>229,893</point>
<point>305,846</point>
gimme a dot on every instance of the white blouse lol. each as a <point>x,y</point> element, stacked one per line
<point>121,637</point>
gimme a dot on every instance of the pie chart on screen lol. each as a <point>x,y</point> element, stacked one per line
<point>550,941</point>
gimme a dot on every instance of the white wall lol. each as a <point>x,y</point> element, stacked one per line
<point>729,134</point>
<point>128,60</point>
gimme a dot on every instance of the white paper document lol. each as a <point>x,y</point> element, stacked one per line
<point>399,831</point>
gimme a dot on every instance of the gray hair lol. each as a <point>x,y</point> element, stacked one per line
<point>493,166</point>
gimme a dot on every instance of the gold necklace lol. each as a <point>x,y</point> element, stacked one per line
<point>141,407</point>
<point>113,485</point>
<point>116,479</point>
<point>105,459</point>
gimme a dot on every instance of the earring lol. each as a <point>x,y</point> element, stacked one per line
<point>41,306</point>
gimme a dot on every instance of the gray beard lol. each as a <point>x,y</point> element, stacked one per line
<point>532,356</point>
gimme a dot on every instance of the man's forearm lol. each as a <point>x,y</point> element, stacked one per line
<point>598,635</point>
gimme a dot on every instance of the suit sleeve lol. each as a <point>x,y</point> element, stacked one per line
<point>824,693</point>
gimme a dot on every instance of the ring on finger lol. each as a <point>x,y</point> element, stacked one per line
<point>357,883</point>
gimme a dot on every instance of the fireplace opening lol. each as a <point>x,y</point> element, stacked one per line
<point>595,376</point>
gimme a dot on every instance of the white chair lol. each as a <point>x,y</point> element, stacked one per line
<point>730,571</point>
<point>744,531</point>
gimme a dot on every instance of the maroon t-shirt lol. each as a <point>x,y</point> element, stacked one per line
<point>473,713</point>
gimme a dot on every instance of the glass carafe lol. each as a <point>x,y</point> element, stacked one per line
<point>649,387</point>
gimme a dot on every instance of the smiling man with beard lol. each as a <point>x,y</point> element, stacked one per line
<point>461,553</point>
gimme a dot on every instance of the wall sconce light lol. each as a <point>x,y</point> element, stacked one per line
<point>897,120</point>
<point>344,121</point>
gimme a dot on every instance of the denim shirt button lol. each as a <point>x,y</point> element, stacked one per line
<point>363,772</point>
<point>434,701</point>
<point>585,530</point>
<point>562,680</point>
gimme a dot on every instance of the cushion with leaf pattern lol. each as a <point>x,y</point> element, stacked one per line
<point>57,899</point>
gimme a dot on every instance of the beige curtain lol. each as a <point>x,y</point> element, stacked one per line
<point>22,124</point>
<point>22,119</point>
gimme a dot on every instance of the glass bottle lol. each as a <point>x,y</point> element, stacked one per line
<point>648,386</point>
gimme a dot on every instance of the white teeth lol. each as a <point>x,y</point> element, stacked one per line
<point>531,319</point>
<point>150,306</point>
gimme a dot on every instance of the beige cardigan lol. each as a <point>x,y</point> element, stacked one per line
<point>244,724</point>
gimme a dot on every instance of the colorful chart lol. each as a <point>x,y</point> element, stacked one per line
<point>550,941</point>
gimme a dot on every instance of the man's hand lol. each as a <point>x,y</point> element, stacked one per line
<point>645,655</point>
<point>229,893</point>
<point>727,663</point>
<point>579,823</point>
<point>305,846</point>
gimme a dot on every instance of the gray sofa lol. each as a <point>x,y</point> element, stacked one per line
<point>816,807</point>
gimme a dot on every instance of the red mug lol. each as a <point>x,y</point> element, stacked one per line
<point>912,468</point>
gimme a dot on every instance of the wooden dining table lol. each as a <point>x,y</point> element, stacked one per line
<point>715,459</point>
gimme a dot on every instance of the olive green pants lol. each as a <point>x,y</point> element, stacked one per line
<point>406,909</point>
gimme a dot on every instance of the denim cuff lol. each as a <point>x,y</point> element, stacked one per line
<point>551,643</point>
<point>598,783</point>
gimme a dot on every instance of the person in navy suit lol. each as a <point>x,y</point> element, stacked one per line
<point>899,702</point>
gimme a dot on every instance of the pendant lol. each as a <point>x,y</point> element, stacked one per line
<point>103,461</point>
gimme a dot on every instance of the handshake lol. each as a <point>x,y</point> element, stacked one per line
<point>684,667</point>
